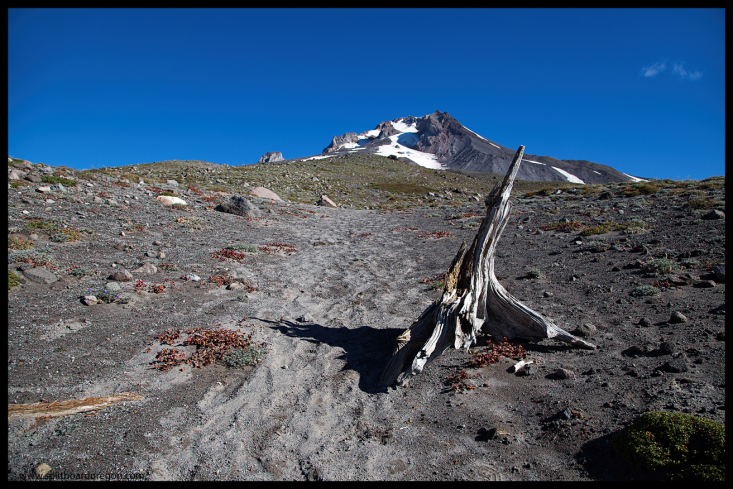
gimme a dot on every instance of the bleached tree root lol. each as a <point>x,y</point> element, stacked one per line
<point>64,408</point>
<point>473,300</point>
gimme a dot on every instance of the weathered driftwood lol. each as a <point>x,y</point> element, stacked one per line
<point>473,300</point>
<point>64,408</point>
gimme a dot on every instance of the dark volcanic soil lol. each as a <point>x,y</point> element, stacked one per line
<point>329,308</point>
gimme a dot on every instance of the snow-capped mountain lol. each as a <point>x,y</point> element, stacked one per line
<point>439,141</point>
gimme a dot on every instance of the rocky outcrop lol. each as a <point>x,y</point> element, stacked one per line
<point>264,193</point>
<point>350,138</point>
<point>325,201</point>
<point>239,206</point>
<point>271,157</point>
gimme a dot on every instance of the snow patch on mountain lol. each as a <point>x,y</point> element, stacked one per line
<point>634,179</point>
<point>569,176</point>
<point>396,149</point>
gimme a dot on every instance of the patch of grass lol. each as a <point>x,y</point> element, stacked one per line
<point>79,271</point>
<point>661,265</point>
<point>13,279</point>
<point>699,203</point>
<point>645,290</point>
<point>245,248</point>
<point>634,227</point>
<point>55,179</point>
<point>600,229</point>
<point>19,183</point>
<point>535,273</point>
<point>642,189</point>
<point>38,223</point>
<point>191,222</point>
<point>687,447</point>
<point>19,243</point>
<point>404,188</point>
<point>563,226</point>
<point>595,246</point>
<point>245,357</point>
<point>65,235</point>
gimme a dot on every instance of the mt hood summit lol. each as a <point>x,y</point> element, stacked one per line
<point>439,141</point>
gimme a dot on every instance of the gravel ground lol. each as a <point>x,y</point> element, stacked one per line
<point>328,307</point>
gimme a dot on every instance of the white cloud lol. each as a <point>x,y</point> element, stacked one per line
<point>652,70</point>
<point>680,71</point>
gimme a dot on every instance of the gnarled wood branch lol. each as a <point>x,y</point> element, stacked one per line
<point>473,300</point>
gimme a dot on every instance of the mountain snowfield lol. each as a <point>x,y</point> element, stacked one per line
<point>401,137</point>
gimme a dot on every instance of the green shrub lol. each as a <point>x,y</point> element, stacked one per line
<point>55,179</point>
<point>65,235</point>
<point>535,273</point>
<point>37,223</point>
<point>661,265</point>
<point>19,243</point>
<point>13,279</point>
<point>246,248</point>
<point>687,447</point>
<point>241,357</point>
<point>645,290</point>
<point>635,227</point>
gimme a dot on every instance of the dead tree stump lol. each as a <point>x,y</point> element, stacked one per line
<point>473,300</point>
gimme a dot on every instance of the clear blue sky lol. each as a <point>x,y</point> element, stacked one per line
<point>639,90</point>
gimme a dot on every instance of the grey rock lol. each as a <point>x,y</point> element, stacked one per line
<point>666,348</point>
<point>57,187</point>
<point>719,271</point>
<point>305,318</point>
<point>239,206</point>
<point>172,183</point>
<point>705,284</point>
<point>89,300</point>
<point>40,275</point>
<point>121,276</point>
<point>15,174</point>
<point>677,317</point>
<point>563,373</point>
<point>587,329</point>
<point>645,322</point>
<point>714,214</point>
<point>325,201</point>
<point>677,365</point>
<point>112,287</point>
<point>33,178</point>
<point>271,157</point>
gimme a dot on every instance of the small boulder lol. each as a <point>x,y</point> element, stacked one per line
<point>264,193</point>
<point>44,189</point>
<point>121,276</point>
<point>677,317</point>
<point>719,271</point>
<point>15,174</point>
<point>168,200</point>
<point>172,183</point>
<point>146,268</point>
<point>40,275</point>
<point>239,206</point>
<point>325,201</point>
<point>89,300</point>
<point>714,214</point>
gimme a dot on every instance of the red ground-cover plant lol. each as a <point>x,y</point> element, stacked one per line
<point>495,351</point>
<point>211,345</point>
<point>225,254</point>
<point>286,248</point>
<point>435,234</point>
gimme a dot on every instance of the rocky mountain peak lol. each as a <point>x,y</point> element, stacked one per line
<point>440,141</point>
<point>271,157</point>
